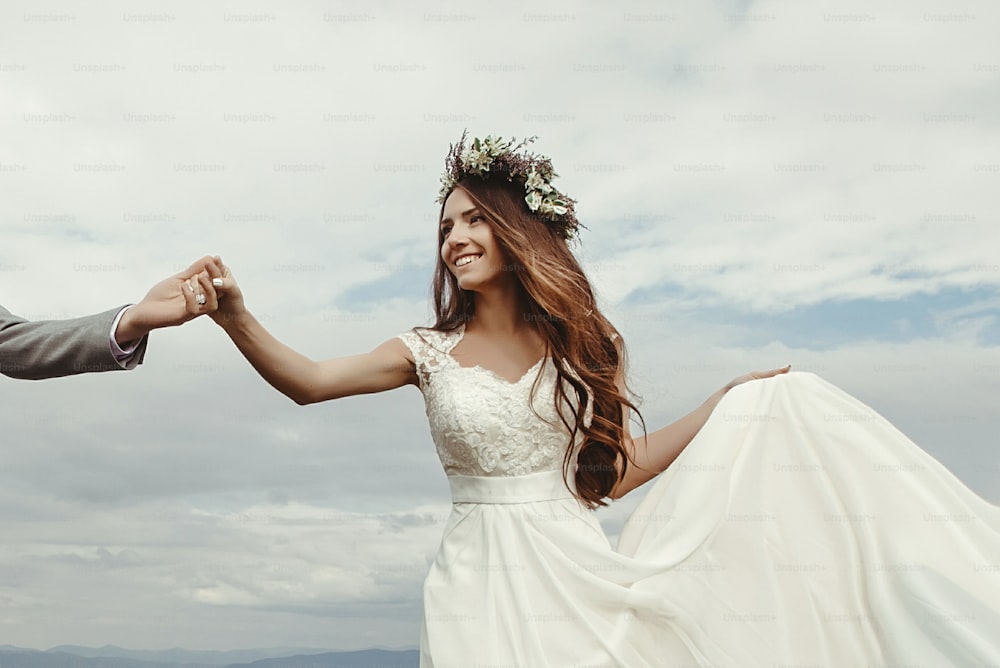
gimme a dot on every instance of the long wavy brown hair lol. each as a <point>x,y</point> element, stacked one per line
<point>561,304</point>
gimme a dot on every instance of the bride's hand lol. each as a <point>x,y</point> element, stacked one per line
<point>753,375</point>
<point>231,308</point>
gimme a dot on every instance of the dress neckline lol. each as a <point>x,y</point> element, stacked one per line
<point>459,334</point>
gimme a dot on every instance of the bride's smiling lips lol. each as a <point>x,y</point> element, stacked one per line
<point>458,260</point>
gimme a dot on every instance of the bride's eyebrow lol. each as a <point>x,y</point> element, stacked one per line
<point>465,214</point>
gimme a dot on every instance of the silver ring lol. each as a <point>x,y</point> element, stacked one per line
<point>200,298</point>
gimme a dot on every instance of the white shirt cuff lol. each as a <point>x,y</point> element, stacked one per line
<point>122,355</point>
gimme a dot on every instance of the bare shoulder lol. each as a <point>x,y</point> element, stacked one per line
<point>395,349</point>
<point>395,358</point>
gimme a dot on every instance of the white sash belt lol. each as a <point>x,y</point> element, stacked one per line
<point>544,486</point>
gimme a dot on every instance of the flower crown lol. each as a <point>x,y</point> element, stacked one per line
<point>494,157</point>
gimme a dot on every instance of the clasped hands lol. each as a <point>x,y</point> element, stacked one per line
<point>182,297</point>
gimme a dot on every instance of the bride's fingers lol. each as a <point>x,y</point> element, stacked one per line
<point>775,372</point>
<point>191,292</point>
<point>197,265</point>
<point>771,373</point>
<point>225,282</point>
<point>215,268</point>
<point>207,288</point>
<point>758,375</point>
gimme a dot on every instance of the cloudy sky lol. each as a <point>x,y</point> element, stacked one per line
<point>762,182</point>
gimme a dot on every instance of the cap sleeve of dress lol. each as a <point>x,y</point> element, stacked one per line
<point>429,348</point>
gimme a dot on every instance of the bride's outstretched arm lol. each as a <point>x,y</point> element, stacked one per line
<point>298,377</point>
<point>653,453</point>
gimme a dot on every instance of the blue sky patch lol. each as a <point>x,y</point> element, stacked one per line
<point>834,323</point>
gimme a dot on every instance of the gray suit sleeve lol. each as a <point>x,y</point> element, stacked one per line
<point>53,348</point>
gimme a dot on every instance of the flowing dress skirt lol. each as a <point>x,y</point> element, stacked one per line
<point>798,528</point>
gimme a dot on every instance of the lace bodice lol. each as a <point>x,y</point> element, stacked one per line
<point>481,423</point>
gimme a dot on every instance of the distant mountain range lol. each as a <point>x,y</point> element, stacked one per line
<point>109,656</point>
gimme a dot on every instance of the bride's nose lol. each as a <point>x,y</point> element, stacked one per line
<point>458,236</point>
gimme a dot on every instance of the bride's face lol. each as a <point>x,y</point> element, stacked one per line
<point>468,234</point>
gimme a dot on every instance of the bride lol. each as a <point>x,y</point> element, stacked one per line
<point>789,523</point>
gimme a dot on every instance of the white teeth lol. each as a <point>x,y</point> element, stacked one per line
<point>464,260</point>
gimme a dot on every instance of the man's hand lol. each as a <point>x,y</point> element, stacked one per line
<point>173,301</point>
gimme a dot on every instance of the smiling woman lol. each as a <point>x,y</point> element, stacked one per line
<point>791,523</point>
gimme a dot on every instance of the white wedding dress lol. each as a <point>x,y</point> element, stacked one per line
<point>797,528</point>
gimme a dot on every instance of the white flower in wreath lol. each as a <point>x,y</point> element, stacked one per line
<point>536,182</point>
<point>534,200</point>
<point>557,207</point>
<point>447,183</point>
<point>476,161</point>
<point>493,146</point>
<point>552,207</point>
